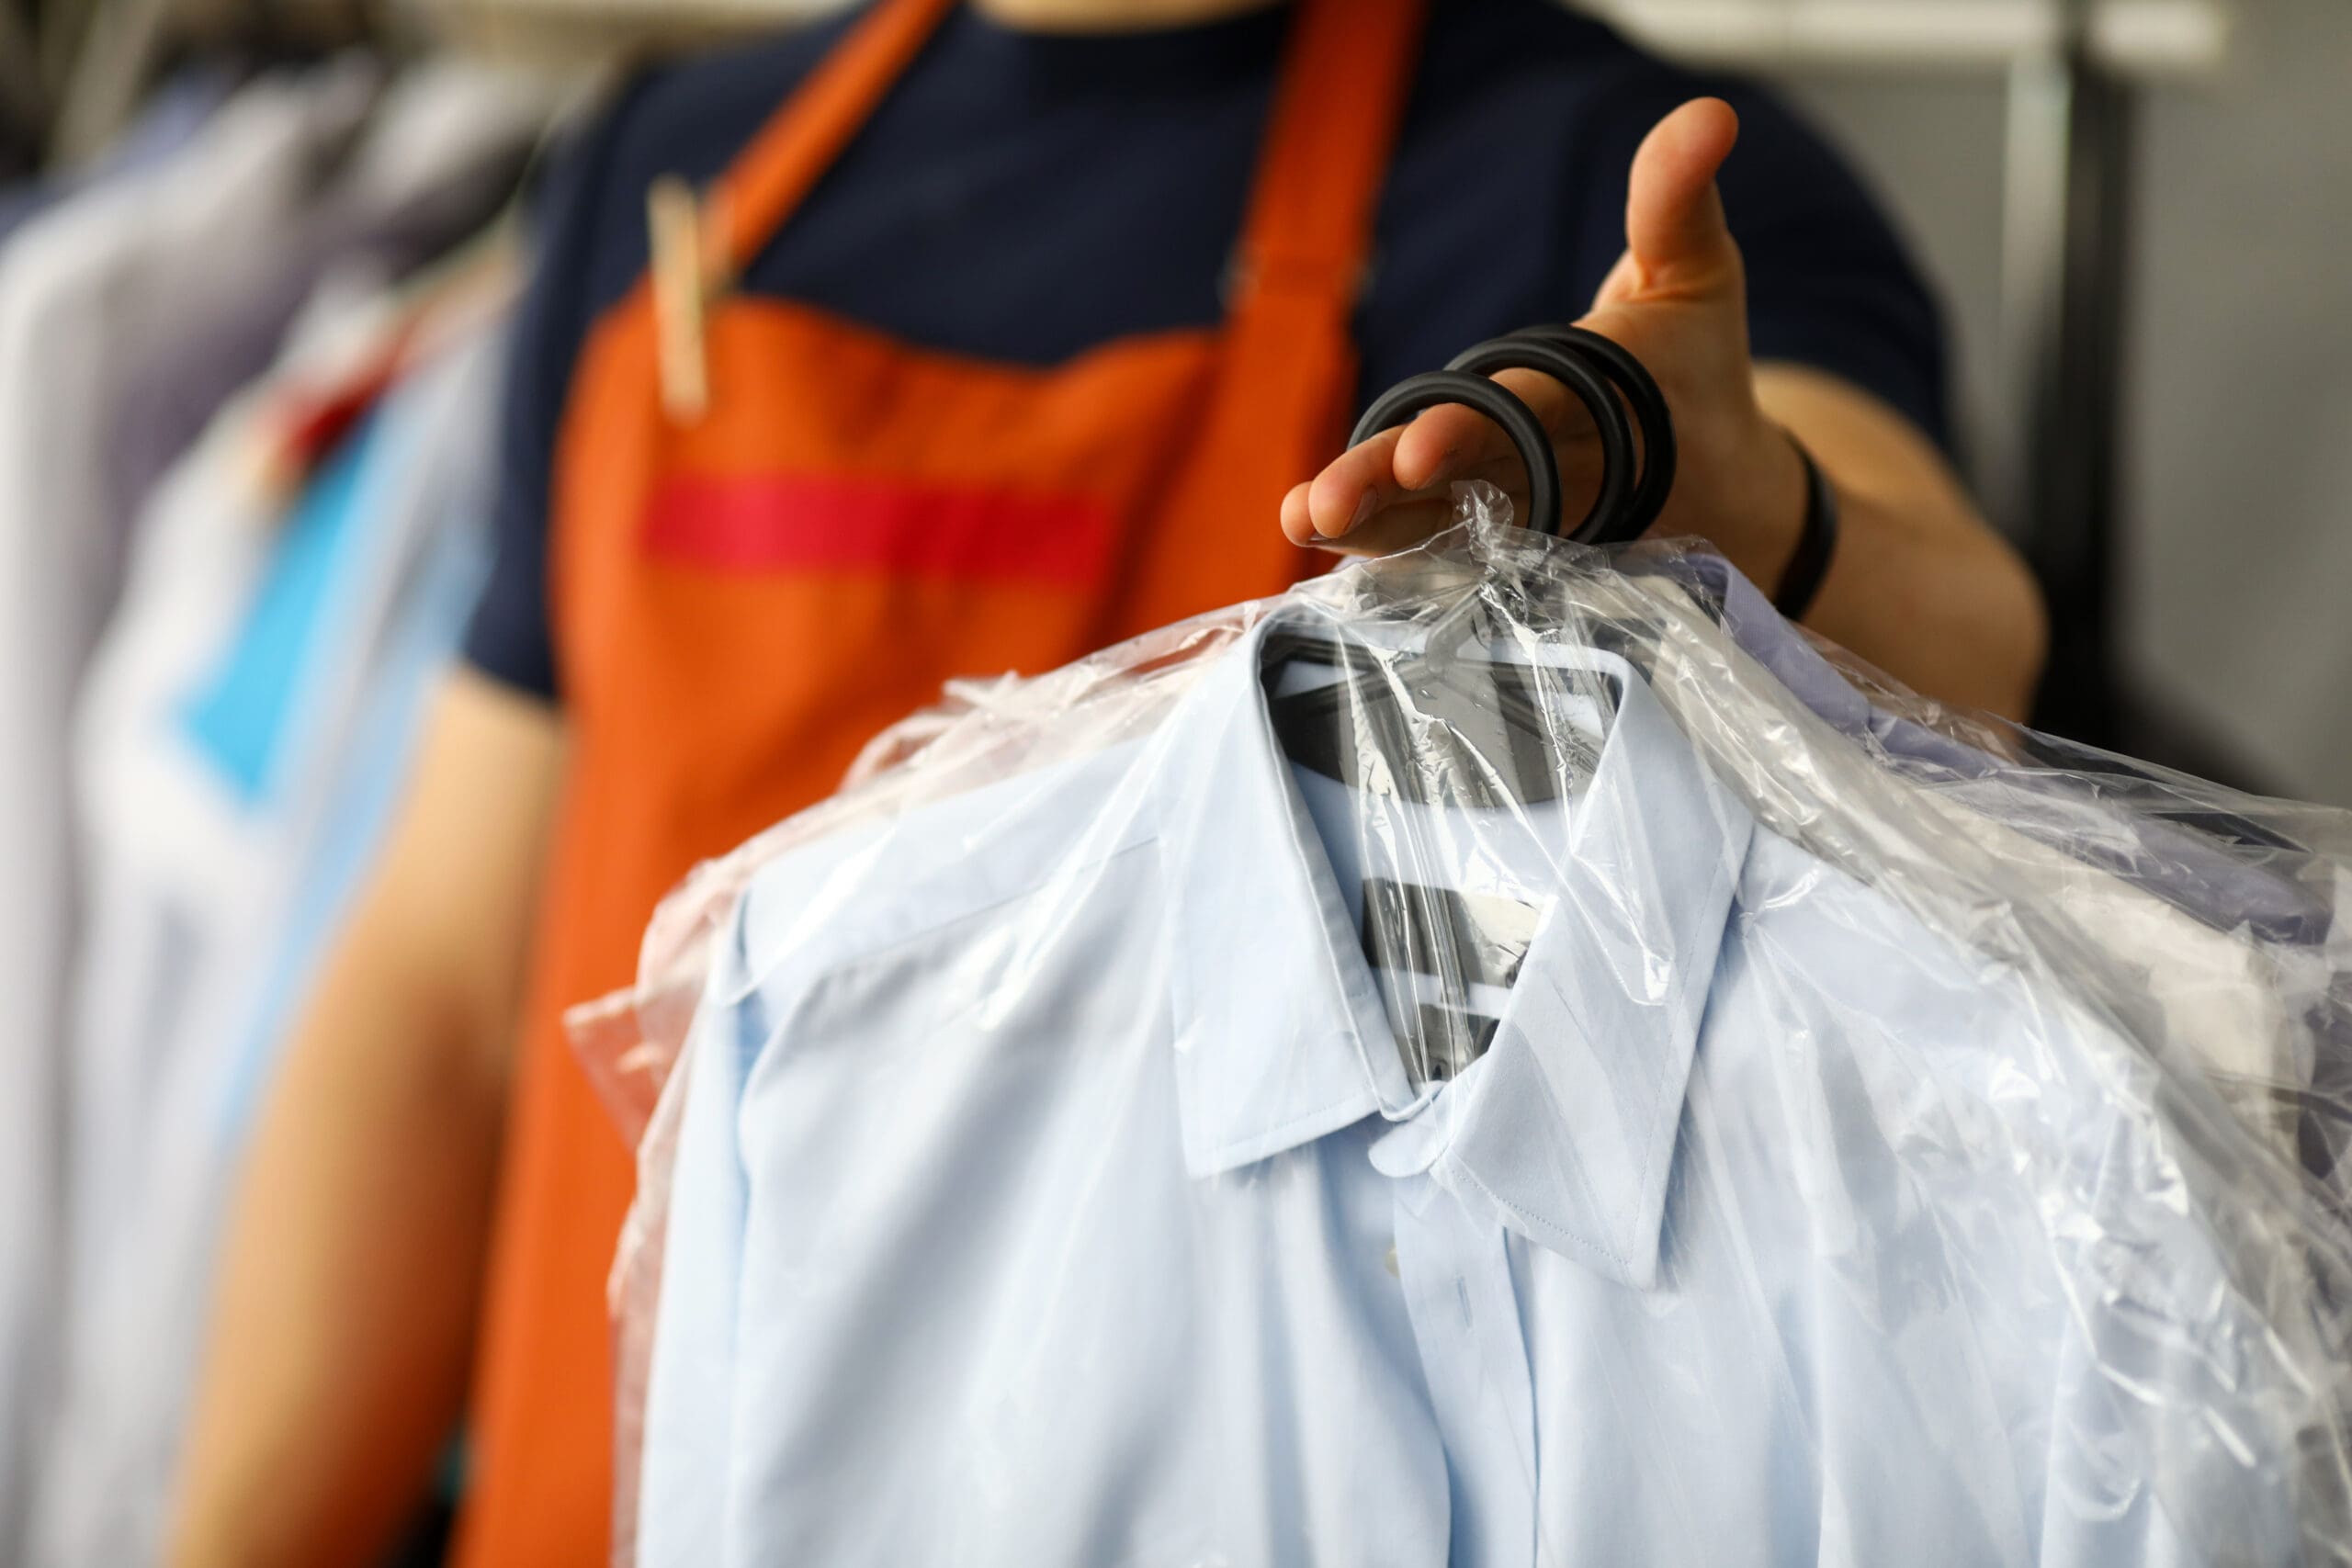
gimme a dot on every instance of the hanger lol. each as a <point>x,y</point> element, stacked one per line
<point>1446,723</point>
<point>1624,371</point>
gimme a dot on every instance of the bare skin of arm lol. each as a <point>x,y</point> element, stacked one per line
<point>342,1329</point>
<point>1921,586</point>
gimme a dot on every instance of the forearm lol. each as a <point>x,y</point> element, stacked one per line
<point>1920,586</point>
<point>343,1327</point>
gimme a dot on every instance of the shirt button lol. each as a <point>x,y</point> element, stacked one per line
<point>1389,1263</point>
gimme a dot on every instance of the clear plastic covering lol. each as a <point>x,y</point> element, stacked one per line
<point>1506,1054</point>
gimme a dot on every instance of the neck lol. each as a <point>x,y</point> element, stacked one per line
<point>1110,15</point>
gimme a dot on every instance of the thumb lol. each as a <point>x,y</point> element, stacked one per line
<point>1676,236</point>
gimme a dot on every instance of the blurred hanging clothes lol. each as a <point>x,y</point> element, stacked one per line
<point>127,313</point>
<point>444,149</point>
<point>245,729</point>
<point>83,290</point>
<point>173,118</point>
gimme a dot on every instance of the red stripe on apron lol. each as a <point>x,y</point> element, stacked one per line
<point>754,523</point>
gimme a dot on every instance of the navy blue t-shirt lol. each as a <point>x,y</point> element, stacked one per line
<point>1025,198</point>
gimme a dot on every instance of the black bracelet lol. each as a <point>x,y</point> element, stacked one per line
<point>1800,583</point>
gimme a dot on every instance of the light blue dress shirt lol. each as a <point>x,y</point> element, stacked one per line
<point>1051,1190</point>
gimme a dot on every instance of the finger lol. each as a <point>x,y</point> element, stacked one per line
<point>1579,468</point>
<point>1397,528</point>
<point>1298,526</point>
<point>1580,471</point>
<point>1412,517</point>
<point>1675,230</point>
<point>1447,441</point>
<point>1352,486</point>
<point>1423,458</point>
<point>1623,283</point>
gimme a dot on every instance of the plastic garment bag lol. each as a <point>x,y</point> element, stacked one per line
<point>1502,1055</point>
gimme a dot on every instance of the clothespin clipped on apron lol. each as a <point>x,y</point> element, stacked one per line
<point>689,269</point>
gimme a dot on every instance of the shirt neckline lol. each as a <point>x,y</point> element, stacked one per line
<point>1566,1130</point>
<point>1155,60</point>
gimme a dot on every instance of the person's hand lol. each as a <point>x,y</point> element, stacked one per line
<point>1677,299</point>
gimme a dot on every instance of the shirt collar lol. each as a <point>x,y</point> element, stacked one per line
<point>1568,1126</point>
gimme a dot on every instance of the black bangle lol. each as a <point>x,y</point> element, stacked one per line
<point>1800,583</point>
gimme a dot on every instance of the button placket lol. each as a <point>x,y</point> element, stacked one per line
<point>1453,1264</point>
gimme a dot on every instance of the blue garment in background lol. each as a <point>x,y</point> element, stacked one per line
<point>382,745</point>
<point>252,706</point>
<point>239,714</point>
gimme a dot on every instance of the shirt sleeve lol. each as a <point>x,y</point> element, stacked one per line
<point>509,638</point>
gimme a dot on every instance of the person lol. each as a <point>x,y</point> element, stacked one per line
<point>1043,322</point>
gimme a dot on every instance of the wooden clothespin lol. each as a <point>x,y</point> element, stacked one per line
<point>689,269</point>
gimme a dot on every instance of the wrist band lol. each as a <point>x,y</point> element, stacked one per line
<point>1800,583</point>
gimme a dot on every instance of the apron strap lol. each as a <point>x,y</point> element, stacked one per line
<point>1306,245</point>
<point>783,163</point>
<point>1347,75</point>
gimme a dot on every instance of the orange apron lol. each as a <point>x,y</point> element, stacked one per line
<point>742,601</point>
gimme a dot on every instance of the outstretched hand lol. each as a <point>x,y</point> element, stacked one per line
<point>1678,298</point>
